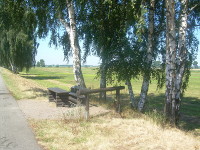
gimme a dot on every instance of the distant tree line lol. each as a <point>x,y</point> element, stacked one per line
<point>40,63</point>
<point>195,65</point>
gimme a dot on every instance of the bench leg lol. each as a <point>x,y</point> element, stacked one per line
<point>117,101</point>
<point>51,97</point>
<point>59,102</point>
<point>87,107</point>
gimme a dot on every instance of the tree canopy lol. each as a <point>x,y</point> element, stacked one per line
<point>128,35</point>
<point>18,44</point>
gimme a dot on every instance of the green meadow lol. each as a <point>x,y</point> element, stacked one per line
<point>63,78</point>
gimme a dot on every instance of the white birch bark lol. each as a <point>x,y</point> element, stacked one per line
<point>74,43</point>
<point>102,95</point>
<point>131,94</point>
<point>13,67</point>
<point>170,61</point>
<point>146,78</point>
<point>181,55</point>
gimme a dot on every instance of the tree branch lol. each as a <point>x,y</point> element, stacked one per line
<point>67,26</point>
<point>192,8</point>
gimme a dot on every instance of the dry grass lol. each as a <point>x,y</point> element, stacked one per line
<point>23,88</point>
<point>112,134</point>
<point>108,132</point>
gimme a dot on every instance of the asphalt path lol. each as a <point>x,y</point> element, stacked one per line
<point>15,134</point>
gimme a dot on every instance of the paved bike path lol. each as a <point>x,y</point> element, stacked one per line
<point>15,134</point>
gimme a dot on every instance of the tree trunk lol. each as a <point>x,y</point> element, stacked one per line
<point>102,95</point>
<point>131,94</point>
<point>144,91</point>
<point>181,58</point>
<point>170,102</point>
<point>13,68</point>
<point>146,78</point>
<point>72,31</point>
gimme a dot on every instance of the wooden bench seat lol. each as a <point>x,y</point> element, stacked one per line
<point>59,96</point>
<point>76,99</point>
<point>79,95</point>
<point>64,98</point>
<point>57,90</point>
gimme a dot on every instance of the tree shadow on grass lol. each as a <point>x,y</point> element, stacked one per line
<point>37,93</point>
<point>33,74</point>
<point>47,77</point>
<point>190,109</point>
<point>190,113</point>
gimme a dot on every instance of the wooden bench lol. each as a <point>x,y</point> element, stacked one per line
<point>57,95</point>
<point>80,96</point>
<point>64,98</point>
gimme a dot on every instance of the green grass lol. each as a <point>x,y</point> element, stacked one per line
<point>63,78</point>
<point>12,86</point>
<point>44,76</point>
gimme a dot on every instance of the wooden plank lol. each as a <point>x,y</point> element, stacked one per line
<point>60,104</point>
<point>76,95</point>
<point>57,90</point>
<point>87,91</point>
<point>74,100</point>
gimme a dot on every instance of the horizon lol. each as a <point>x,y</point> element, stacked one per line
<point>55,56</point>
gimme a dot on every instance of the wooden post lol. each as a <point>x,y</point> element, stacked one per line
<point>118,109</point>
<point>86,92</point>
<point>86,107</point>
<point>50,95</point>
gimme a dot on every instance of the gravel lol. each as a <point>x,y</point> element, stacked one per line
<point>43,109</point>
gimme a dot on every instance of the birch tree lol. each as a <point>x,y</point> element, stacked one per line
<point>101,27</point>
<point>170,104</point>
<point>150,47</point>
<point>131,94</point>
<point>76,51</point>
<point>181,57</point>
<point>103,70</point>
<point>52,17</point>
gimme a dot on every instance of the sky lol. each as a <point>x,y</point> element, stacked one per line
<point>198,56</point>
<point>54,56</point>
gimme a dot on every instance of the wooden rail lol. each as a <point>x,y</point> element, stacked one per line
<point>62,97</point>
<point>86,92</point>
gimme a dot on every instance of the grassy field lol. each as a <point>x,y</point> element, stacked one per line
<point>112,130</point>
<point>63,78</point>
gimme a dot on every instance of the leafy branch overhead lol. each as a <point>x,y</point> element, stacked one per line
<point>18,45</point>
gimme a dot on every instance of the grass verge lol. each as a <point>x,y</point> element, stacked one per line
<point>111,133</point>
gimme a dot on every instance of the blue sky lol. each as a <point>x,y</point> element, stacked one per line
<point>198,56</point>
<point>54,56</point>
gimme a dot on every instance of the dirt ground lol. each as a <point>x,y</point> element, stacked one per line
<point>43,109</point>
